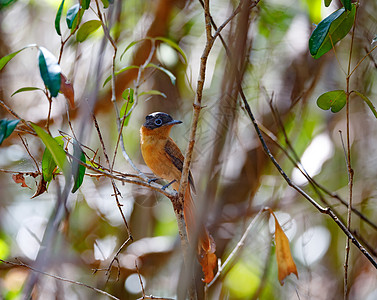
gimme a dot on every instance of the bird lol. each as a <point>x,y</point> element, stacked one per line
<point>162,155</point>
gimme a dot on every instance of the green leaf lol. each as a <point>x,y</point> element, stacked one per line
<point>130,45</point>
<point>27,89</point>
<point>167,72</point>
<point>73,17</point>
<point>50,71</point>
<point>127,95</point>
<point>347,4</point>
<point>85,4</point>
<point>48,162</point>
<point>367,101</point>
<point>334,100</point>
<point>55,149</point>
<point>86,29</point>
<point>6,128</point>
<point>327,3</point>
<point>118,72</point>
<point>4,4</point>
<point>174,46</point>
<point>330,31</point>
<point>153,92</point>
<point>4,60</point>
<point>58,17</point>
<point>78,169</point>
<point>105,3</point>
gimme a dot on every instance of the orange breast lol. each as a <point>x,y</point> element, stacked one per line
<point>153,151</point>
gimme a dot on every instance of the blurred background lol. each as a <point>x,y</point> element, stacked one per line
<point>234,178</point>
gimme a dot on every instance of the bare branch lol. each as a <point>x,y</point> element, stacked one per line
<point>237,248</point>
<point>21,264</point>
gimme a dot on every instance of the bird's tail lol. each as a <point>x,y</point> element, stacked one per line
<point>206,245</point>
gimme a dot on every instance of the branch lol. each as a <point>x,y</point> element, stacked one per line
<point>236,249</point>
<point>14,114</point>
<point>322,210</point>
<point>21,264</point>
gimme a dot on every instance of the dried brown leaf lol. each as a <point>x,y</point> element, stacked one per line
<point>19,178</point>
<point>42,187</point>
<point>284,259</point>
<point>67,90</point>
<point>208,262</point>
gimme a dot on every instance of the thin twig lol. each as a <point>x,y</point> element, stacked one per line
<point>327,210</point>
<point>21,264</point>
<point>322,210</point>
<point>141,281</point>
<point>20,172</point>
<point>49,98</point>
<point>237,248</point>
<point>28,151</point>
<point>178,209</point>
<point>110,166</point>
<point>119,124</point>
<point>143,290</point>
<point>14,114</point>
<point>349,164</point>
<point>358,64</point>
<point>312,181</point>
<point>116,191</point>
<point>168,192</point>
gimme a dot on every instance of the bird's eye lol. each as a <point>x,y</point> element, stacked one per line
<point>158,122</point>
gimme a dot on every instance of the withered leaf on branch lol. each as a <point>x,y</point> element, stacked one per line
<point>67,90</point>
<point>208,262</point>
<point>19,178</point>
<point>284,259</point>
<point>42,187</point>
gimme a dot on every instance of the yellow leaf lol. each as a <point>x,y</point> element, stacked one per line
<point>284,259</point>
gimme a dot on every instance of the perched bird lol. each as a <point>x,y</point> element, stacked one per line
<point>165,159</point>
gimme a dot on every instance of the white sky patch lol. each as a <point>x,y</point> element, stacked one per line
<point>319,150</point>
<point>312,245</point>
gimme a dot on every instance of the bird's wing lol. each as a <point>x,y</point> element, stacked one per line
<point>176,156</point>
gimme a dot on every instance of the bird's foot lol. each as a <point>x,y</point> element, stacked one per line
<point>152,180</point>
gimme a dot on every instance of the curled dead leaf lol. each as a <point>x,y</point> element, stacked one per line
<point>19,178</point>
<point>42,187</point>
<point>208,262</point>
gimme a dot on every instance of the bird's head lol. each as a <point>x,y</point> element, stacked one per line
<point>159,119</point>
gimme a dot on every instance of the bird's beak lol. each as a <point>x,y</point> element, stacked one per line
<point>174,122</point>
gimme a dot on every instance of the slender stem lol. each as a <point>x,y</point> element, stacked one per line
<point>49,113</point>
<point>237,248</point>
<point>361,60</point>
<point>21,264</point>
<point>327,210</point>
<point>28,151</point>
<point>349,164</point>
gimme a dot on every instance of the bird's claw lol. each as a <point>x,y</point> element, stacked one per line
<point>152,180</point>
